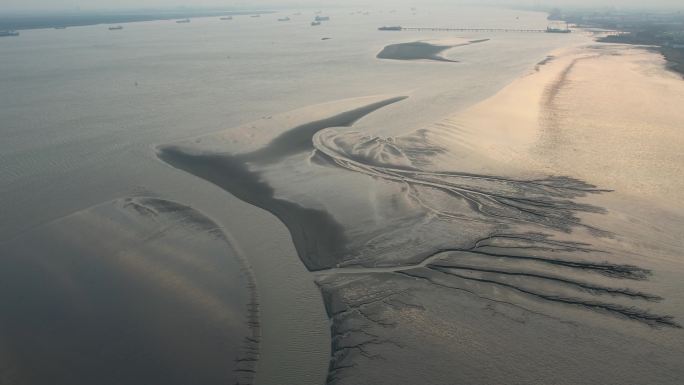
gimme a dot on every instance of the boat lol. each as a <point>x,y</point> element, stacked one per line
<point>60,27</point>
<point>284,19</point>
<point>392,28</point>
<point>322,18</point>
<point>8,33</point>
<point>183,21</point>
<point>558,28</point>
<point>315,23</point>
<point>116,28</point>
<point>227,18</point>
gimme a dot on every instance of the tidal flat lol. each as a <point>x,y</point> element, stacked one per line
<point>525,252</point>
<point>230,212</point>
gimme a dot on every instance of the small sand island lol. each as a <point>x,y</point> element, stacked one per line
<point>421,50</point>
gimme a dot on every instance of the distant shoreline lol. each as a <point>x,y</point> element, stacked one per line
<point>26,22</point>
<point>673,56</point>
<point>662,31</point>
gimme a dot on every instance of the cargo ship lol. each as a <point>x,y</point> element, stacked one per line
<point>117,28</point>
<point>183,21</point>
<point>558,28</point>
<point>8,33</point>
<point>392,28</point>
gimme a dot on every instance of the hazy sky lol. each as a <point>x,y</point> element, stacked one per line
<point>6,5</point>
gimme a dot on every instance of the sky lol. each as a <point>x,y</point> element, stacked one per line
<point>84,5</point>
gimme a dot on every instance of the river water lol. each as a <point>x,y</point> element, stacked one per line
<point>83,109</point>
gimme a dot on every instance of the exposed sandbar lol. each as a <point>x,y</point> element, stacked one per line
<point>298,139</point>
<point>320,240</point>
<point>420,50</point>
<point>555,308</point>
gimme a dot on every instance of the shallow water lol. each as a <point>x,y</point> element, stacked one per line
<point>143,289</point>
<point>75,123</point>
<point>86,112</point>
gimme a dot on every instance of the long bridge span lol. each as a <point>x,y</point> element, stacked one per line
<point>439,29</point>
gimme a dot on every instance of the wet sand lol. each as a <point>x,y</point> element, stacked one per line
<point>335,187</point>
<point>295,345</point>
<point>534,238</point>
<point>581,115</point>
<point>319,239</point>
<point>473,259</point>
<point>487,250</point>
<point>606,114</point>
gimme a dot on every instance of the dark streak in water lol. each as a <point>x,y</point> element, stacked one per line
<point>591,288</point>
<point>547,202</point>
<point>319,239</point>
<point>625,311</point>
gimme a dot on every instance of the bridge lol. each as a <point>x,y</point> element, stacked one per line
<point>437,29</point>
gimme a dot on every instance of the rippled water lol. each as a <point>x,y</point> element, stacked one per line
<point>84,111</point>
<point>81,107</point>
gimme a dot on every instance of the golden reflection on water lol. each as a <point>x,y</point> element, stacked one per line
<point>109,290</point>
